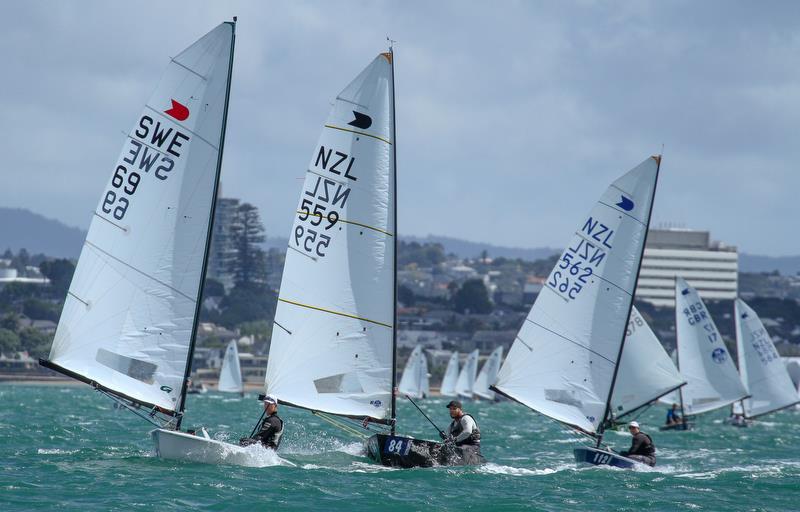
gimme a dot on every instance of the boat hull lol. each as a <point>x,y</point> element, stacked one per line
<point>676,426</point>
<point>173,445</point>
<point>598,457</point>
<point>407,452</point>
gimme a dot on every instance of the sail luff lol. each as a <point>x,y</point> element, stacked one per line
<point>199,304</point>
<point>394,248</point>
<point>630,307</point>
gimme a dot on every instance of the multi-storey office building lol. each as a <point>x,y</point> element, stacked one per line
<point>711,267</point>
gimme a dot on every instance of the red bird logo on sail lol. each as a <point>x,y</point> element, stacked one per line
<point>178,111</point>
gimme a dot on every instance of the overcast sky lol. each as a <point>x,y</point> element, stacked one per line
<point>512,117</point>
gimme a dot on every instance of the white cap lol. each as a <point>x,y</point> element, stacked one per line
<point>633,424</point>
<point>271,399</point>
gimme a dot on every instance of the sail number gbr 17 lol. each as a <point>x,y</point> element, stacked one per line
<point>579,261</point>
<point>322,201</point>
<point>153,147</point>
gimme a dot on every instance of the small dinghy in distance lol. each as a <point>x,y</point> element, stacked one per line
<point>465,385</point>
<point>488,375</point>
<point>564,362</point>
<point>448,387</point>
<point>703,358</point>
<point>761,367</point>
<point>414,381</point>
<point>230,375</point>
<point>129,323</point>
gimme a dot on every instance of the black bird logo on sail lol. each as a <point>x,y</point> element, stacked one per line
<point>362,121</point>
<point>625,203</point>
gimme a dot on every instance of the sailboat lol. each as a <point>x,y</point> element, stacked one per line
<point>564,361</point>
<point>646,371</point>
<point>333,341</point>
<point>230,376</point>
<point>488,375</point>
<point>414,381</point>
<point>448,387</point>
<point>465,385</point>
<point>703,359</point>
<point>760,366</point>
<point>129,323</point>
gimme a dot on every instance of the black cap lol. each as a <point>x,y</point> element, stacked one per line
<point>454,403</point>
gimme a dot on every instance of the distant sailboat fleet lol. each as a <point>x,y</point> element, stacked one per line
<point>584,356</point>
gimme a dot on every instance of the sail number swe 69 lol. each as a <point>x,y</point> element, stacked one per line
<point>156,149</point>
<point>582,257</point>
<point>322,200</point>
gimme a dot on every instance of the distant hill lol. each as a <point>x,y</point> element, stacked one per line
<point>461,248</point>
<point>23,229</point>
<point>467,249</point>
<point>786,265</point>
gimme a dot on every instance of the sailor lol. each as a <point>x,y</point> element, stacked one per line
<point>271,430</point>
<point>642,448</point>
<point>463,431</point>
<point>673,418</point>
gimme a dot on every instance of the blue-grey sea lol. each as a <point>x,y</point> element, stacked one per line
<point>68,448</point>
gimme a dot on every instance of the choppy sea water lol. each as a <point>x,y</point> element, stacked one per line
<point>68,448</point>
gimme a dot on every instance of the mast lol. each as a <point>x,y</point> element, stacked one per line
<point>677,353</point>
<point>198,306</point>
<point>601,428</point>
<point>394,248</point>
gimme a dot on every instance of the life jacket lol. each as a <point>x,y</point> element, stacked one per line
<point>456,428</point>
<point>648,448</point>
<point>275,438</point>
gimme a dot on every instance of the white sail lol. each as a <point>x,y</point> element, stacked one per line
<point>465,385</point>
<point>448,387</point>
<point>563,359</point>
<point>488,374</point>
<point>129,316</point>
<point>703,359</point>
<point>414,382</point>
<point>230,376</point>
<point>760,366</point>
<point>331,346</point>
<point>646,372</point>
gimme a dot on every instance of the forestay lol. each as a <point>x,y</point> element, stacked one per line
<point>703,359</point>
<point>562,361</point>
<point>465,385</point>
<point>230,376</point>
<point>414,382</point>
<point>488,374</point>
<point>129,315</point>
<point>646,372</point>
<point>450,378</point>
<point>760,366</point>
<point>331,346</point>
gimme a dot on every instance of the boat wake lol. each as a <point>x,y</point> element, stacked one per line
<point>497,469</point>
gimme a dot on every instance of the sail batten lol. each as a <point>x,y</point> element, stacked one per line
<point>334,350</point>
<point>128,322</point>
<point>564,359</point>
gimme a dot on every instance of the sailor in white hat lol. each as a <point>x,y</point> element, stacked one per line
<point>271,428</point>
<point>642,448</point>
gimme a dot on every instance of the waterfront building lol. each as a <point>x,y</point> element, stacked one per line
<point>710,267</point>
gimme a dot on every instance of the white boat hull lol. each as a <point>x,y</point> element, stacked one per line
<point>173,445</point>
